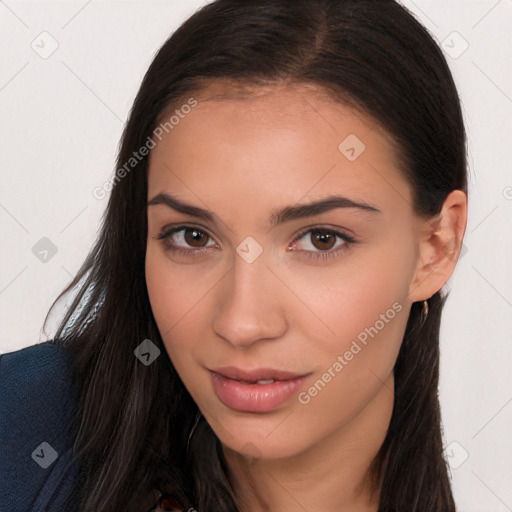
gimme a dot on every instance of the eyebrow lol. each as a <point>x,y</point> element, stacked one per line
<point>279,216</point>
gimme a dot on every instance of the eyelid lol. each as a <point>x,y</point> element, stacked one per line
<point>349,240</point>
<point>166,232</point>
<point>318,227</point>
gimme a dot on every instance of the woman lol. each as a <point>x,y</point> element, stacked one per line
<point>257,326</point>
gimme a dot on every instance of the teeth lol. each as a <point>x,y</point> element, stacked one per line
<point>266,381</point>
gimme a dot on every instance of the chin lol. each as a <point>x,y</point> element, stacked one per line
<point>265,438</point>
<point>255,450</point>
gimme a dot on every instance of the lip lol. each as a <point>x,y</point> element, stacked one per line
<point>255,374</point>
<point>238,389</point>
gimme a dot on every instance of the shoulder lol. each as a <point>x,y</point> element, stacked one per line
<point>43,360</point>
<point>37,412</point>
<point>36,386</point>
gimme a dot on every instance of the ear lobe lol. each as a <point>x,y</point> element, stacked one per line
<point>440,243</point>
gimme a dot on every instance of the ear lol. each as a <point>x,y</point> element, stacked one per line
<point>440,242</point>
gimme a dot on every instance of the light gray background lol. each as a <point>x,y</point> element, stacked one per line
<point>61,120</point>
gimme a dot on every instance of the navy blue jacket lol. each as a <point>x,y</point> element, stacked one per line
<point>37,410</point>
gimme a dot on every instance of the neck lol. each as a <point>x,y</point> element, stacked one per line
<point>336,474</point>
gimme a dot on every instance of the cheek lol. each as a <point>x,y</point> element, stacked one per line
<point>162,288</point>
<point>366,291</point>
<point>367,312</point>
<point>363,308</point>
<point>174,291</point>
<point>178,295</point>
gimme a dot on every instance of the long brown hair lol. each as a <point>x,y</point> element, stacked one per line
<point>134,421</point>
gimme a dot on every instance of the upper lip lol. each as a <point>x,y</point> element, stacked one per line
<point>255,374</point>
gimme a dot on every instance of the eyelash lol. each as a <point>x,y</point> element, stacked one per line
<point>165,234</point>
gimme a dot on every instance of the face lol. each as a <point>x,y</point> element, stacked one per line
<point>247,283</point>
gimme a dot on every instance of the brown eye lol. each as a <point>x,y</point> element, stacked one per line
<point>322,243</point>
<point>195,238</point>
<point>323,240</point>
<point>186,239</point>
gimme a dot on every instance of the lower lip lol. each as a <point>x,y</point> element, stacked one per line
<point>254,397</point>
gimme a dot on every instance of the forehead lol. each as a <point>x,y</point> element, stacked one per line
<point>289,140</point>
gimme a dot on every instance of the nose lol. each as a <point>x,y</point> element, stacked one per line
<point>250,306</point>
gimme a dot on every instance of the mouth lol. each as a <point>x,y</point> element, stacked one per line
<point>259,390</point>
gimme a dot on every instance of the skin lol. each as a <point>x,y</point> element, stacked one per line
<point>241,159</point>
